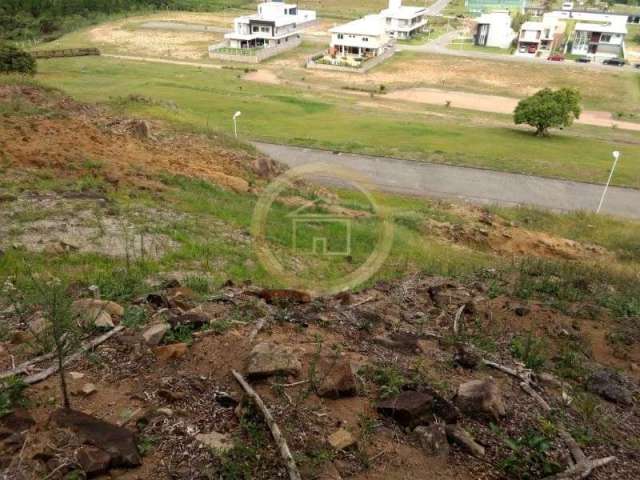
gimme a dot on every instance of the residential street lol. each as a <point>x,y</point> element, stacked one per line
<point>471,184</point>
<point>437,7</point>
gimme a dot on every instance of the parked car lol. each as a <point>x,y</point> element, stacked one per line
<point>583,59</point>
<point>558,57</point>
<point>615,62</point>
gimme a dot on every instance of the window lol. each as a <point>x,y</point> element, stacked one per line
<point>256,29</point>
<point>365,39</point>
<point>340,36</point>
<point>605,38</point>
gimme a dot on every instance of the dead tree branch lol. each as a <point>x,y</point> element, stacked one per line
<point>290,463</point>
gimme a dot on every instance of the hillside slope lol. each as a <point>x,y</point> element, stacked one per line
<point>144,230</point>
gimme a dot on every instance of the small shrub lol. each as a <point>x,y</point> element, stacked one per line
<point>388,378</point>
<point>528,458</point>
<point>15,60</point>
<point>11,395</point>
<point>530,350</point>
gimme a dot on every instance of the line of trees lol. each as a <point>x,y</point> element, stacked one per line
<point>22,20</point>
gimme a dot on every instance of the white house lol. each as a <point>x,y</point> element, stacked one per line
<point>494,30</point>
<point>599,40</point>
<point>365,37</point>
<point>403,22</point>
<point>542,37</point>
<point>276,23</point>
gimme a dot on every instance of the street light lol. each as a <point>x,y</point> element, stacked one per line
<point>235,123</point>
<point>616,156</point>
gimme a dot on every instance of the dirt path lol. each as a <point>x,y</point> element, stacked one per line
<point>496,104</point>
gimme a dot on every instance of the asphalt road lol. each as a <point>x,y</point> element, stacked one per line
<point>468,184</point>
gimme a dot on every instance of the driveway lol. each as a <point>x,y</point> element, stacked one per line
<point>437,7</point>
<point>469,184</point>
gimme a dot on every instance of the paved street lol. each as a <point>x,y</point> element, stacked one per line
<point>471,184</point>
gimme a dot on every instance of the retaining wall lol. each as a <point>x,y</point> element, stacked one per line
<point>67,52</point>
<point>366,66</point>
<point>255,55</point>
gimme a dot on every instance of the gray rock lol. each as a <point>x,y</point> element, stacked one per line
<point>481,398</point>
<point>611,386</point>
<point>433,439</point>
<point>217,442</point>
<point>155,333</point>
<point>267,359</point>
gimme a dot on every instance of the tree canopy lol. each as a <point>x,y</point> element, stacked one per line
<point>549,109</point>
<point>15,60</point>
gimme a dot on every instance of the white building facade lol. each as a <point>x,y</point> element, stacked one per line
<point>366,37</point>
<point>275,24</point>
<point>403,22</point>
<point>598,40</point>
<point>494,30</point>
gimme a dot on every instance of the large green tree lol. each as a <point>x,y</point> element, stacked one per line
<point>549,109</point>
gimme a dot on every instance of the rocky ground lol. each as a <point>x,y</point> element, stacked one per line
<point>381,384</point>
<point>504,373</point>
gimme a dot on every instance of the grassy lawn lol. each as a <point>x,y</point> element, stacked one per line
<point>468,45</point>
<point>291,115</point>
<point>633,37</point>
<point>601,89</point>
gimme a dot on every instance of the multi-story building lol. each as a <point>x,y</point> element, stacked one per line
<point>403,22</point>
<point>537,38</point>
<point>365,37</point>
<point>494,30</point>
<point>599,40</point>
<point>276,23</point>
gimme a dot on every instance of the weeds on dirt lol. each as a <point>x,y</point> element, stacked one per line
<point>134,317</point>
<point>11,395</point>
<point>528,457</point>
<point>530,350</point>
<point>388,378</point>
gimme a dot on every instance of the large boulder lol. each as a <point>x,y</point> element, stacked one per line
<point>481,398</point>
<point>611,386</point>
<point>118,442</point>
<point>267,359</point>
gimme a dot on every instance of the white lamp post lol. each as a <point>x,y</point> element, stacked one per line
<point>235,123</point>
<point>616,156</point>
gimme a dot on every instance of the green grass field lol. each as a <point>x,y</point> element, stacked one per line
<point>292,115</point>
